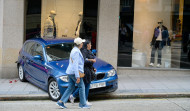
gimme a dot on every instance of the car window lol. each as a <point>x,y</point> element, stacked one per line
<point>28,48</point>
<point>58,51</point>
<point>38,50</point>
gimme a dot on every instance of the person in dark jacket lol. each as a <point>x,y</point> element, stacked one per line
<point>89,71</point>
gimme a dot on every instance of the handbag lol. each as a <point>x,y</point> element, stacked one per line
<point>93,76</point>
<point>80,74</point>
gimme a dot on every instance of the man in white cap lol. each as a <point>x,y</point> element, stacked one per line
<point>50,30</point>
<point>76,66</point>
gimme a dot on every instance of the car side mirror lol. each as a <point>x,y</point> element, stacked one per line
<point>94,51</point>
<point>38,57</point>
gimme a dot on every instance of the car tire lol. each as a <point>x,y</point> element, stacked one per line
<point>53,90</point>
<point>21,74</point>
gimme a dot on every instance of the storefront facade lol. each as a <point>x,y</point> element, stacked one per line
<point>120,30</point>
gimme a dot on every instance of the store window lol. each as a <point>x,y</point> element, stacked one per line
<point>68,18</point>
<point>154,34</point>
<point>126,33</point>
<point>33,19</point>
<point>62,18</point>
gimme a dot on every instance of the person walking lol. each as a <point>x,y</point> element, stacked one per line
<point>76,64</point>
<point>89,71</point>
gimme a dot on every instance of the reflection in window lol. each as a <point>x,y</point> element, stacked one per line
<point>154,34</point>
<point>59,51</point>
<point>38,50</point>
<point>28,46</point>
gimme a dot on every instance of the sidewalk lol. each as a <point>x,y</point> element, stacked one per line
<point>129,86</point>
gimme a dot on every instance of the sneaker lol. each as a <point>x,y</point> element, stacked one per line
<point>84,106</point>
<point>88,103</point>
<point>151,64</point>
<point>72,99</point>
<point>61,105</point>
<point>158,65</point>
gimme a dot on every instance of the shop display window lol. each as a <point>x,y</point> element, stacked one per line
<point>154,34</point>
<point>62,18</point>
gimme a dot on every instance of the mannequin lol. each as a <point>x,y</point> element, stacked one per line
<point>160,39</point>
<point>50,26</point>
<point>78,30</point>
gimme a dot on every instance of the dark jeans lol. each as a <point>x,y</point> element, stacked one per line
<point>157,46</point>
<point>87,87</point>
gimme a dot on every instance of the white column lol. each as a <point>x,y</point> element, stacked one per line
<point>1,33</point>
<point>11,36</point>
<point>107,30</point>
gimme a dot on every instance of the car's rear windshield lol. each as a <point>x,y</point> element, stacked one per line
<point>58,52</point>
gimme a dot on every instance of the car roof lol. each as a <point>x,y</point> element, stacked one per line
<point>53,41</point>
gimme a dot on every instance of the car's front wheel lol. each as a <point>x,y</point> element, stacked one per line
<point>53,90</point>
<point>21,74</point>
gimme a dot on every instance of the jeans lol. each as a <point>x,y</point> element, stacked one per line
<point>87,87</point>
<point>154,48</point>
<point>71,88</point>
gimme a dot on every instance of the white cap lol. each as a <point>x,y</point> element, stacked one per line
<point>78,40</point>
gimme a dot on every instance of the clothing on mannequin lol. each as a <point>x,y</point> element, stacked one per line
<point>78,30</point>
<point>159,40</point>
<point>50,29</point>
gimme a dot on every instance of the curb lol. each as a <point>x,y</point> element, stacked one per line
<point>141,96</point>
<point>99,97</point>
<point>23,97</point>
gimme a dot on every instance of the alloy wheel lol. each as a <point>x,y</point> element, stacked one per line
<point>20,73</point>
<point>54,90</point>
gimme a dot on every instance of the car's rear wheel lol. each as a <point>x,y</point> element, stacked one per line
<point>21,74</point>
<point>53,90</point>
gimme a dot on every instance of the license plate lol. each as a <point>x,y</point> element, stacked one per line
<point>97,85</point>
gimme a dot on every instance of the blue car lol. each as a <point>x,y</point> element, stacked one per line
<point>43,62</point>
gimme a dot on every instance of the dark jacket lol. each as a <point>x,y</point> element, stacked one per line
<point>165,36</point>
<point>88,65</point>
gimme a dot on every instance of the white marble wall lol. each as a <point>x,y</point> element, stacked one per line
<point>1,29</point>
<point>1,23</point>
<point>108,29</point>
<point>11,38</point>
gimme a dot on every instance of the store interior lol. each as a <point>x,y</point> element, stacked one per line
<point>147,13</point>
